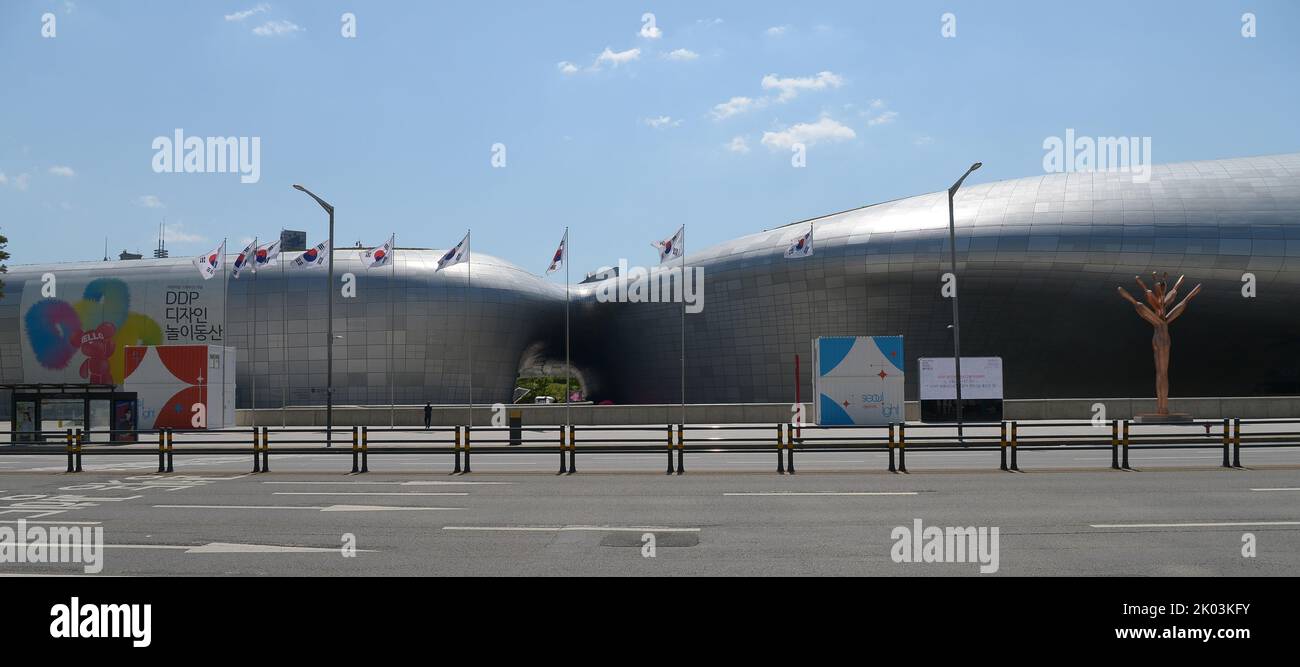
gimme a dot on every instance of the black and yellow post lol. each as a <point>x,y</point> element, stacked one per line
<point>1002,446</point>
<point>356,449</point>
<point>257,462</point>
<point>573,449</point>
<point>68,444</point>
<point>902,447</point>
<point>780,455</point>
<point>681,448</point>
<point>669,440</point>
<point>891,449</point>
<point>1114,444</point>
<point>1227,440</point>
<point>563,430</point>
<point>1015,444</point>
<point>467,431</point>
<point>1236,444</point>
<point>365,450</point>
<point>266,450</point>
<point>171,449</point>
<point>162,450</point>
<point>789,450</point>
<point>81,443</point>
<point>1124,444</point>
<point>456,450</point>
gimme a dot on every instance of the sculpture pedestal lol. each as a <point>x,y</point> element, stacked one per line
<point>1169,418</point>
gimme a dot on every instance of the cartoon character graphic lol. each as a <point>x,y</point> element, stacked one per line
<point>98,326</point>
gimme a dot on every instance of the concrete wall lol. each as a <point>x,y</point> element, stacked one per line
<point>763,413</point>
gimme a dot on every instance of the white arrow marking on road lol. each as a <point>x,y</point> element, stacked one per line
<point>419,483</point>
<point>368,493</point>
<point>327,508</point>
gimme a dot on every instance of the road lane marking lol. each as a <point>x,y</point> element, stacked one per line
<point>821,493</point>
<point>367,493</point>
<point>412,483</point>
<point>1196,525</point>
<point>1292,488</point>
<point>562,529</point>
<point>319,508</point>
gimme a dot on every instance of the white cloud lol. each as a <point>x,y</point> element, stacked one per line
<point>662,121</point>
<point>60,170</point>
<point>617,58</point>
<point>776,30</point>
<point>791,86</point>
<point>738,145</point>
<point>877,104</point>
<point>243,14</point>
<point>150,201</point>
<point>21,181</point>
<point>883,118</point>
<point>734,106</point>
<point>567,67</point>
<point>681,54</point>
<point>826,129</point>
<point>273,28</point>
<point>176,233</point>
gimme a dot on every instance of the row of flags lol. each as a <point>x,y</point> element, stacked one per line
<point>261,256</point>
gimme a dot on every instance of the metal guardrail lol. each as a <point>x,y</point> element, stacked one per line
<point>1007,437</point>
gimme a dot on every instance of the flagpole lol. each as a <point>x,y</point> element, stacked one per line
<point>225,332</point>
<point>284,341</point>
<point>469,290</point>
<point>683,295</point>
<point>253,336</point>
<point>568,370</point>
<point>392,334</point>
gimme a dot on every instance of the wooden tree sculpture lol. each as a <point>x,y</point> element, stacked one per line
<point>1157,312</point>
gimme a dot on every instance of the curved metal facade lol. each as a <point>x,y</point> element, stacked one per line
<point>1039,259</point>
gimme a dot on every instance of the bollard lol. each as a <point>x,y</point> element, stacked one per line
<point>467,431</point>
<point>81,442</point>
<point>780,455</point>
<point>562,430</point>
<point>790,441</point>
<point>902,447</point>
<point>1002,442</point>
<point>1015,442</point>
<point>67,444</point>
<point>257,463</point>
<point>356,447</point>
<point>266,450</point>
<point>171,448</point>
<point>573,449</point>
<point>1125,445</point>
<point>365,450</point>
<point>670,449</point>
<point>891,449</point>
<point>456,450</point>
<point>1236,444</point>
<point>1114,444</point>
<point>681,447</point>
<point>162,450</point>
<point>1226,441</point>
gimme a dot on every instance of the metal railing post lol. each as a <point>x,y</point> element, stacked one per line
<point>669,440</point>
<point>456,450</point>
<point>681,447</point>
<point>162,450</point>
<point>892,443</point>
<point>266,450</point>
<point>902,447</point>
<point>365,450</point>
<point>1227,440</point>
<point>1002,446</point>
<point>356,449</point>
<point>257,462</point>
<point>68,445</point>
<point>1236,443</point>
<point>563,429</point>
<point>790,440</point>
<point>1114,444</point>
<point>81,443</point>
<point>171,449</point>
<point>468,428</point>
<point>573,449</point>
<point>780,455</point>
<point>1125,445</point>
<point>1015,445</point>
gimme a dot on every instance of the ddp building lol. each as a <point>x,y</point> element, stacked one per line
<point>1039,259</point>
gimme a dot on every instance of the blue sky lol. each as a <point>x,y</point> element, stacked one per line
<point>396,126</point>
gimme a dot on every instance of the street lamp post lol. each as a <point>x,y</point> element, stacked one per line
<point>956,321</point>
<point>329,314</point>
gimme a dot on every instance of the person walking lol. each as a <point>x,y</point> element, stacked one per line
<point>428,415</point>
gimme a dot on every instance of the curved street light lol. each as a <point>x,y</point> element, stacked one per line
<point>329,314</point>
<point>956,321</point>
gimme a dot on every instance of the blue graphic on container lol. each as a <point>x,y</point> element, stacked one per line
<point>859,380</point>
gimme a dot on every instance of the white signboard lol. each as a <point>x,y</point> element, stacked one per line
<point>981,378</point>
<point>858,380</point>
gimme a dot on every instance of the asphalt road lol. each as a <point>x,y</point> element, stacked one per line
<point>730,514</point>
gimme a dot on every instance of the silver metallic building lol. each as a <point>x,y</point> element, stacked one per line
<point>1039,259</point>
